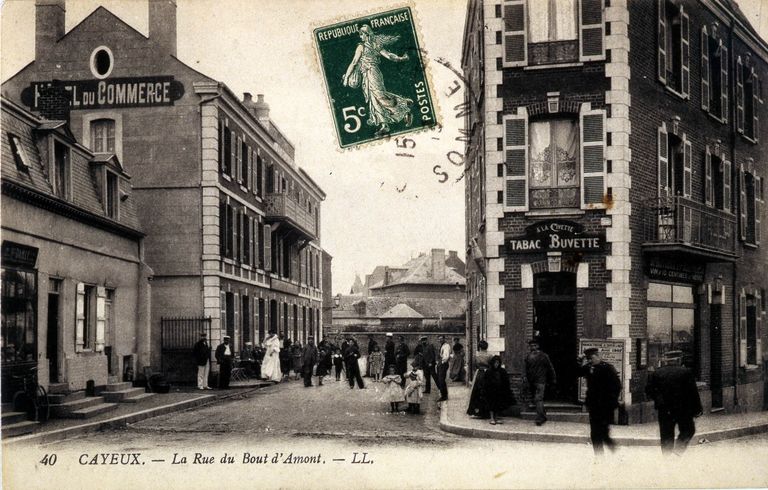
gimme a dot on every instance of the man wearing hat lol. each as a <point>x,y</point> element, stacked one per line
<point>673,390</point>
<point>401,358</point>
<point>603,390</point>
<point>538,371</point>
<point>389,353</point>
<point>224,356</point>
<point>308,361</point>
<point>202,353</point>
<point>429,355</point>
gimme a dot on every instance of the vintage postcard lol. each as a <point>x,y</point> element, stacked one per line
<point>383,244</point>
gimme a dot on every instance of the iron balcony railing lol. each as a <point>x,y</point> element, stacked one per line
<point>281,207</point>
<point>677,220</point>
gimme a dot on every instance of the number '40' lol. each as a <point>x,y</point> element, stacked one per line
<point>49,460</point>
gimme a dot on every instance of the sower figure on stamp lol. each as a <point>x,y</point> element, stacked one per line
<point>603,390</point>
<point>224,356</point>
<point>538,371</point>
<point>202,353</point>
<point>676,398</point>
<point>384,108</point>
<point>308,361</point>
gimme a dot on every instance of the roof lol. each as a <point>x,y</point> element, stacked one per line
<point>419,271</point>
<point>401,310</point>
<point>377,306</point>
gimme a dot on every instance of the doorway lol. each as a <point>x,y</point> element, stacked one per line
<point>554,306</point>
<point>716,354</point>
<point>52,342</point>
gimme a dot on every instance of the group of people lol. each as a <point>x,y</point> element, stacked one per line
<point>672,388</point>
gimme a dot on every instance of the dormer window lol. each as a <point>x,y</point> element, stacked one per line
<point>19,153</point>
<point>103,136</point>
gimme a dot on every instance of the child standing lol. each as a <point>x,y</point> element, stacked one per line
<point>393,392</point>
<point>338,362</point>
<point>413,393</point>
<point>377,363</point>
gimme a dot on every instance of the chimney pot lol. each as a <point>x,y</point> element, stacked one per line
<point>261,108</point>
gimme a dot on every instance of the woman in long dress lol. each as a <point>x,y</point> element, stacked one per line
<point>270,368</point>
<point>478,403</point>
<point>498,394</point>
<point>384,108</point>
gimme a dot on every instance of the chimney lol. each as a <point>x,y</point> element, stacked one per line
<point>261,108</point>
<point>54,101</point>
<point>162,24</point>
<point>49,25</point>
<point>453,254</point>
<point>438,264</point>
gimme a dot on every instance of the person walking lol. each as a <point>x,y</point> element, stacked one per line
<point>224,357</point>
<point>538,372</point>
<point>351,355</point>
<point>442,368</point>
<point>271,365</point>
<point>456,369</point>
<point>603,390</point>
<point>675,396</point>
<point>401,358</point>
<point>308,361</point>
<point>478,403</point>
<point>202,354</point>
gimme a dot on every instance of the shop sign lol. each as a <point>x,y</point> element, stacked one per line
<point>19,255</point>
<point>674,271</point>
<point>555,236</point>
<point>112,93</point>
<point>612,352</point>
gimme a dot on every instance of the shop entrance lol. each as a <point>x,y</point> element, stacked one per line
<point>554,305</point>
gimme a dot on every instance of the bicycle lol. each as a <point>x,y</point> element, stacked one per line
<point>32,398</point>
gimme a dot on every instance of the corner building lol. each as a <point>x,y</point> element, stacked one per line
<point>615,187</point>
<point>232,221</point>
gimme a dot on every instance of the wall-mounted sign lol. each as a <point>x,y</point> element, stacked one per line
<point>667,270</point>
<point>555,236</point>
<point>612,352</point>
<point>112,93</point>
<point>19,255</point>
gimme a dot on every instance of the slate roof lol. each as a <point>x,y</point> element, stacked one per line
<point>419,271</point>
<point>401,310</point>
<point>376,306</point>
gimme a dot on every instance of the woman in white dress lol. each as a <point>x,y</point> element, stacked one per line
<point>270,368</point>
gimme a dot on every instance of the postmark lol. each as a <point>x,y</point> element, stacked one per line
<point>375,77</point>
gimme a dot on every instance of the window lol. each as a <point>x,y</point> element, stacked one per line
<point>555,162</point>
<point>19,325</point>
<point>247,239</point>
<point>750,206</point>
<point>270,179</point>
<point>225,149</point>
<point>261,245</point>
<point>675,164</point>
<point>19,153</point>
<point>673,50</point>
<point>59,170</point>
<point>245,316</point>
<point>245,171</point>
<point>259,184</point>
<point>112,195</point>
<point>717,188</point>
<point>747,100</point>
<point>670,318</point>
<point>714,75</point>
<point>539,32</point>
<point>91,320</point>
<point>102,62</point>
<point>103,136</point>
<point>750,327</point>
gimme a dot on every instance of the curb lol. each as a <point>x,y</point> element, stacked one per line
<point>549,437</point>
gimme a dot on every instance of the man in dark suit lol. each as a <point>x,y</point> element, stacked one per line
<point>401,358</point>
<point>308,360</point>
<point>603,390</point>
<point>389,353</point>
<point>202,353</point>
<point>351,355</point>
<point>429,356</point>
<point>225,357</point>
<point>676,398</point>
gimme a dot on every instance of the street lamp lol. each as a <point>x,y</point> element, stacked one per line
<point>337,300</point>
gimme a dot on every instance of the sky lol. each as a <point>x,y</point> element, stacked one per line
<point>381,209</point>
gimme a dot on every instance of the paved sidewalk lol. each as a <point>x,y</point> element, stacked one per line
<point>714,427</point>
<point>180,398</point>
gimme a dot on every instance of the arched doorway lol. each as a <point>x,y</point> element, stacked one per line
<point>554,306</point>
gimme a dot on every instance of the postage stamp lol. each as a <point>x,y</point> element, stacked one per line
<point>375,77</point>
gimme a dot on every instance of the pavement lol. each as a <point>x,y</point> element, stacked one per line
<point>709,428</point>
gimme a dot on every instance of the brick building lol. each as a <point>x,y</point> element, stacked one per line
<point>615,189</point>
<point>232,221</point>
<point>75,300</point>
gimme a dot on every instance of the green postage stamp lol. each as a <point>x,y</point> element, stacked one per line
<point>375,76</point>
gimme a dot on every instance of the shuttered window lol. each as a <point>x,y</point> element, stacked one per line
<point>267,247</point>
<point>593,190</point>
<point>687,167</point>
<point>742,204</point>
<point>727,185</point>
<point>723,82</point>
<point>709,190</point>
<point>743,328</point>
<point>705,69</point>
<point>739,95</point>
<point>673,47</point>
<point>516,161</point>
<point>591,24</point>
<point>663,161</point>
<point>515,34</point>
<point>101,318</point>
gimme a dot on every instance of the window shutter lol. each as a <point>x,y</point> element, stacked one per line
<point>592,128</point>
<point>248,239</point>
<point>80,318</point>
<point>758,207</point>
<point>739,95</point>
<point>221,145</point>
<point>516,160</point>
<point>708,190</point>
<point>591,25</point>
<point>222,228</point>
<point>223,300</point>
<point>233,156</point>
<point>661,47</point>
<point>755,106</point>
<point>303,278</point>
<point>254,174</point>
<point>267,247</point>
<point>742,204</point>
<point>727,176</point>
<point>704,69</point>
<point>687,167</point>
<point>742,328</point>
<point>685,47</point>
<point>515,34</point>
<point>758,326</point>
<point>663,159</point>
<point>724,82</point>
<point>101,317</point>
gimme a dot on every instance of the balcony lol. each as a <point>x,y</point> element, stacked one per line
<point>281,211</point>
<point>678,225</point>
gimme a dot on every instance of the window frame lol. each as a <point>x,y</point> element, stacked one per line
<point>111,194</point>
<point>63,172</point>
<point>19,153</point>
<point>663,56</point>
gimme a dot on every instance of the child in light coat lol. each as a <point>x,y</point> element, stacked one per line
<point>393,391</point>
<point>413,393</point>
